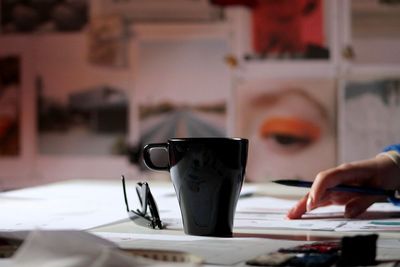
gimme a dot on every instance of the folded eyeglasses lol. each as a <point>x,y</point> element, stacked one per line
<point>141,217</point>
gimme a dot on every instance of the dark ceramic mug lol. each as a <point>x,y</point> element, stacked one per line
<point>207,174</point>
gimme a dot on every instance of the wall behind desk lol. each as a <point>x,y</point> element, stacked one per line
<point>80,120</point>
<point>82,112</point>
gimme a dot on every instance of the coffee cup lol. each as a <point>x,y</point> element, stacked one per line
<point>207,174</point>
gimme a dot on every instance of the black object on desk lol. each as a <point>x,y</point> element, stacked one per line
<point>358,250</point>
<point>147,202</point>
<point>207,174</point>
<point>8,246</point>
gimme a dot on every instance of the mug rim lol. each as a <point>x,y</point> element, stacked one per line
<point>212,139</point>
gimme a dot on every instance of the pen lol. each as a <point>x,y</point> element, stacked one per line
<point>385,223</point>
<point>390,194</point>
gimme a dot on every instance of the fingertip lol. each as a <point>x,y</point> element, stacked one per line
<point>298,210</point>
<point>293,214</point>
<point>290,214</point>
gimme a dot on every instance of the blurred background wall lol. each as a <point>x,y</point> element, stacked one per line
<point>84,85</point>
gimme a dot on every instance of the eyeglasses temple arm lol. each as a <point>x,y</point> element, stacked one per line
<point>124,189</point>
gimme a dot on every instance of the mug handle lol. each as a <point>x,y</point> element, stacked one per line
<point>147,158</point>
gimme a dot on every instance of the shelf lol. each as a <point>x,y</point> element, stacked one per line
<point>176,31</point>
<point>286,68</point>
<point>371,70</point>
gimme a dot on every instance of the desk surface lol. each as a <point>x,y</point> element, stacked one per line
<point>70,195</point>
<point>265,189</point>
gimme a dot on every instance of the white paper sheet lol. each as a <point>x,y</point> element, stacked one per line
<point>88,204</point>
<point>382,225</point>
<point>224,251</point>
<point>75,249</point>
<point>388,249</point>
<point>270,213</point>
<point>79,205</point>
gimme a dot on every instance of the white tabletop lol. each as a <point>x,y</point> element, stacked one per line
<point>98,207</point>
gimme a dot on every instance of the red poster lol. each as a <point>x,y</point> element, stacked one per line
<point>289,27</point>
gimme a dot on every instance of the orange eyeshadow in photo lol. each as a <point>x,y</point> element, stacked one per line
<point>291,127</point>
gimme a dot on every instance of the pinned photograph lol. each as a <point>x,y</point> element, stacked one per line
<point>290,125</point>
<point>369,118</point>
<point>81,109</point>
<point>289,29</point>
<point>107,42</point>
<point>88,121</point>
<point>182,90</point>
<point>165,120</point>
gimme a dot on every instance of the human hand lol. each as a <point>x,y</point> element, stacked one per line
<point>379,172</point>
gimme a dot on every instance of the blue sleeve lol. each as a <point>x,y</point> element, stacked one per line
<point>395,147</point>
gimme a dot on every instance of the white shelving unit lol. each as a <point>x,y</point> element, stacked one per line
<point>354,35</point>
<point>370,33</point>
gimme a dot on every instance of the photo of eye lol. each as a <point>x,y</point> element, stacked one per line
<point>291,125</point>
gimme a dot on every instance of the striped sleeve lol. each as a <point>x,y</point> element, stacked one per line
<point>393,152</point>
<point>395,147</point>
